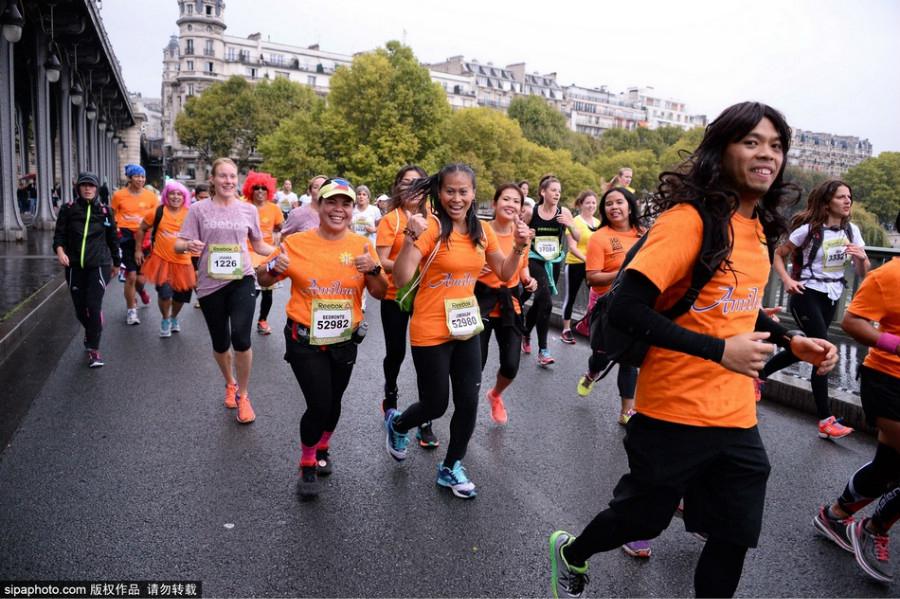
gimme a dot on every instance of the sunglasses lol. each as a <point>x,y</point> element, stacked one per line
<point>260,188</point>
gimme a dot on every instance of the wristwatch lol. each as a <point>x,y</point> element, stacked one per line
<point>375,271</point>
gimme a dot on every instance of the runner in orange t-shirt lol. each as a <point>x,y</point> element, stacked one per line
<point>171,271</point>
<point>619,230</point>
<point>330,269</point>
<point>450,249</point>
<point>260,189</point>
<point>131,204</point>
<point>394,320</point>
<point>876,300</point>
<point>695,432</point>
<point>498,300</point>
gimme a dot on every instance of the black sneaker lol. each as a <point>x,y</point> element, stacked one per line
<point>308,486</point>
<point>94,359</point>
<point>426,436</point>
<point>833,528</point>
<point>323,462</point>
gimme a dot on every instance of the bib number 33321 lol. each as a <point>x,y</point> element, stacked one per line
<point>225,262</point>
<point>463,317</point>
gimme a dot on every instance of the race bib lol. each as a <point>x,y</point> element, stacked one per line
<point>547,247</point>
<point>834,255</point>
<point>463,317</point>
<point>359,227</point>
<point>225,262</point>
<point>331,321</point>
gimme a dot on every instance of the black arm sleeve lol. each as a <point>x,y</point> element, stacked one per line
<point>62,223</point>
<point>765,324</point>
<point>634,304</point>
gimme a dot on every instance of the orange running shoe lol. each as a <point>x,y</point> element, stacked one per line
<point>231,390</point>
<point>831,428</point>
<point>498,410</point>
<point>263,328</point>
<point>245,413</point>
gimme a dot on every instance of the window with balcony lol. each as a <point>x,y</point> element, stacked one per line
<point>277,59</point>
<point>208,48</point>
<point>230,54</point>
<point>189,46</point>
<point>209,10</point>
<point>190,65</point>
<point>210,68</point>
<point>311,80</point>
<point>252,72</point>
<point>190,89</point>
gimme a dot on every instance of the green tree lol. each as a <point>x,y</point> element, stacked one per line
<point>540,122</point>
<point>684,146</point>
<point>876,185</point>
<point>220,121</point>
<point>872,231</point>
<point>294,149</point>
<point>643,163</point>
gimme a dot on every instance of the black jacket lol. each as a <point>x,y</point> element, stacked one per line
<point>101,245</point>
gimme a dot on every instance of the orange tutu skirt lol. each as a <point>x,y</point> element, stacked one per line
<point>180,277</point>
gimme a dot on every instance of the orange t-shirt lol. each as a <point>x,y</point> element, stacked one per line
<point>322,269</point>
<point>678,387</point>
<point>167,233</point>
<point>606,251</point>
<point>130,208</point>
<point>875,301</point>
<point>451,275</point>
<point>506,242</point>
<point>270,216</point>
<point>389,233</point>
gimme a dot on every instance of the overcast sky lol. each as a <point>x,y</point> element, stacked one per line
<point>829,65</point>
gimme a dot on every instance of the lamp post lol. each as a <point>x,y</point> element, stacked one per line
<point>12,22</point>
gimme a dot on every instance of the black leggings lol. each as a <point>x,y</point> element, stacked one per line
<point>542,304</point>
<point>87,287</point>
<point>626,378</point>
<point>323,375</point>
<point>394,323</point>
<point>509,342</point>
<point>265,304</point>
<point>455,363</point>
<point>575,274</point>
<point>229,315</point>
<point>813,312</point>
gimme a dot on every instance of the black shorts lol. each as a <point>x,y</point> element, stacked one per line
<point>166,292</point>
<point>127,245</point>
<point>720,472</point>
<point>880,394</point>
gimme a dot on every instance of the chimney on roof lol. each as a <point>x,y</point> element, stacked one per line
<point>254,36</point>
<point>313,47</point>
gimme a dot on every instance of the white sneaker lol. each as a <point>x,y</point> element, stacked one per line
<point>132,317</point>
<point>165,328</point>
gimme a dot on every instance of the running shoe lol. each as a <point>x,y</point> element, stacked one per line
<point>121,275</point>
<point>526,345</point>
<point>395,442</point>
<point>871,551</point>
<point>626,416</point>
<point>834,528</point>
<point>308,486</point>
<point>165,328</point>
<point>565,580</point>
<point>131,317</point>
<point>263,328</point>
<point>637,549</point>
<point>174,326</point>
<point>544,358</point>
<point>426,437</point>
<point>245,413</point>
<point>231,390</point>
<point>456,480</point>
<point>832,428</point>
<point>197,304</point>
<point>585,384</point>
<point>145,297</point>
<point>498,410</point>
<point>323,462</point>
<point>567,337</point>
<point>94,359</point>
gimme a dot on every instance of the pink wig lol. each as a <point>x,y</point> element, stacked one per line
<point>172,186</point>
<point>255,179</point>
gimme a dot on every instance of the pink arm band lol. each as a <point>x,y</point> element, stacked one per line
<point>888,342</point>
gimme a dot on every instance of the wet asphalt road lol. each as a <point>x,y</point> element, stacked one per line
<point>137,471</point>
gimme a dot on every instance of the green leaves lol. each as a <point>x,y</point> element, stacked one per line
<point>876,185</point>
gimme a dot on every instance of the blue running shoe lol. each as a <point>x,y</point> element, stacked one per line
<point>456,480</point>
<point>395,442</point>
<point>565,580</point>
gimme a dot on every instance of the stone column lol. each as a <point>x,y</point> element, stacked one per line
<point>44,217</point>
<point>81,138</point>
<point>65,138</point>
<point>92,144</point>
<point>13,229</point>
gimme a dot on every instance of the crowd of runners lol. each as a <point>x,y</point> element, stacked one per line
<point>679,272</point>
